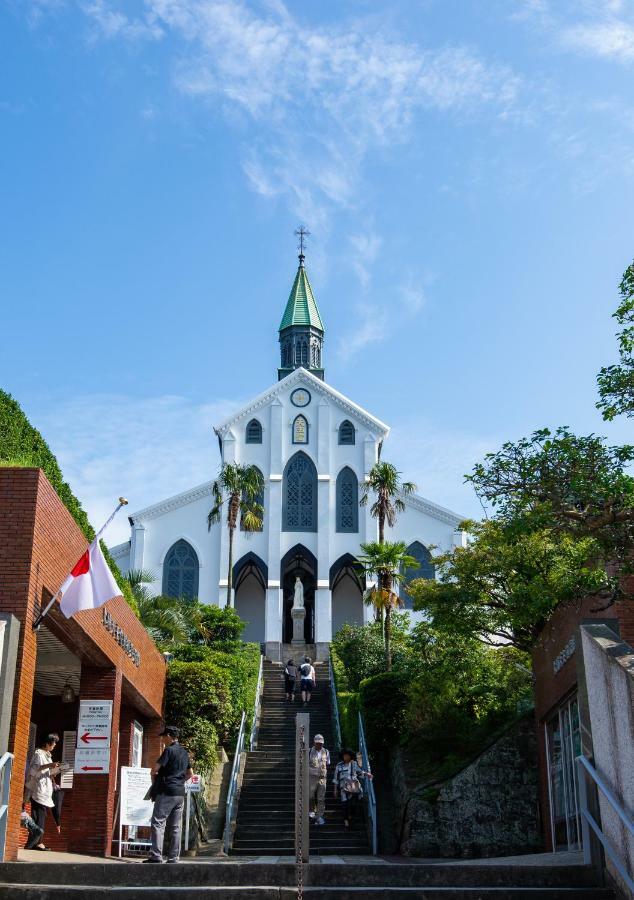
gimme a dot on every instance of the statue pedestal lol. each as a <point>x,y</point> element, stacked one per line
<point>299,614</point>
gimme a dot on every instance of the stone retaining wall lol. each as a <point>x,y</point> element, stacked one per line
<point>490,808</point>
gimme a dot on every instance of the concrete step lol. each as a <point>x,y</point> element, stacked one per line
<point>56,892</point>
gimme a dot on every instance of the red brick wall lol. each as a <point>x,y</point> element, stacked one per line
<point>39,544</point>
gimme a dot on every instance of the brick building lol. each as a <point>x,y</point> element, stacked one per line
<point>561,713</point>
<point>102,654</point>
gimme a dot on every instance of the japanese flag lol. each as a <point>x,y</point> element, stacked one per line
<point>90,584</point>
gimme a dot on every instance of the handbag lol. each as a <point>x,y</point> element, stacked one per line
<point>351,786</point>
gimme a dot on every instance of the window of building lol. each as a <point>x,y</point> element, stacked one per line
<point>346,432</point>
<point>180,571</point>
<point>424,569</point>
<point>259,498</point>
<point>254,432</point>
<point>347,501</point>
<point>300,430</point>
<point>299,492</point>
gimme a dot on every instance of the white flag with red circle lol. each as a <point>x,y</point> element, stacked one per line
<point>90,583</point>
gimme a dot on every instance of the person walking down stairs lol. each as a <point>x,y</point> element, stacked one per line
<point>309,679</point>
<point>318,762</point>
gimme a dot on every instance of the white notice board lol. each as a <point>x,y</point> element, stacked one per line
<point>135,783</point>
<point>94,724</point>
<point>92,762</point>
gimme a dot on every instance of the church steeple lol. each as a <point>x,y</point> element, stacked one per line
<point>301,329</point>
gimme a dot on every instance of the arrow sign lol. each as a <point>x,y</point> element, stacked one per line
<point>86,737</point>
<point>92,768</point>
<point>92,760</point>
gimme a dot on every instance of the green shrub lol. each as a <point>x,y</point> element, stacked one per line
<point>361,650</point>
<point>23,446</point>
<point>383,700</point>
<point>220,625</point>
<point>349,719</point>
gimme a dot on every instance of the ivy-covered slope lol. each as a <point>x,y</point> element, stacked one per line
<point>22,445</point>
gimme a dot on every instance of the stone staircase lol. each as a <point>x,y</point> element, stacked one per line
<point>266,807</point>
<point>246,880</point>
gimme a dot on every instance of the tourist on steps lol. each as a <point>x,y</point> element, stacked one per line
<point>318,762</point>
<point>309,679</point>
<point>169,774</point>
<point>290,677</point>
<point>40,788</point>
<point>347,784</point>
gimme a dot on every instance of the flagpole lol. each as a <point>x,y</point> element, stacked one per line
<point>44,613</point>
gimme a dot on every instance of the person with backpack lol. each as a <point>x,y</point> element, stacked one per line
<point>347,784</point>
<point>290,677</point>
<point>308,681</point>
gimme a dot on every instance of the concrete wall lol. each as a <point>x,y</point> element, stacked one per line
<point>609,676</point>
<point>488,809</point>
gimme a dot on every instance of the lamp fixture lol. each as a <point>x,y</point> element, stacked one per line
<point>68,694</point>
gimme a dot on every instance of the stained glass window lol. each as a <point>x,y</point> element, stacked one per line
<point>300,494</point>
<point>424,569</point>
<point>254,432</point>
<point>180,571</point>
<point>347,501</point>
<point>346,432</point>
<point>300,430</point>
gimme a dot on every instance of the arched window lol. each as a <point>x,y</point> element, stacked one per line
<point>346,432</point>
<point>259,498</point>
<point>299,512</point>
<point>424,569</point>
<point>304,359</point>
<point>300,430</point>
<point>347,501</point>
<point>254,432</point>
<point>180,571</point>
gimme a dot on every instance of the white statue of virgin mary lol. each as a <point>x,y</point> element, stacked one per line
<point>298,598</point>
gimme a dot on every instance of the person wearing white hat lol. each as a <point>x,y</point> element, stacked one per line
<point>318,762</point>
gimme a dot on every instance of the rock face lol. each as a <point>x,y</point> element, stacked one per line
<point>489,809</point>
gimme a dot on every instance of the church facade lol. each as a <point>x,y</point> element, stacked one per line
<point>314,448</point>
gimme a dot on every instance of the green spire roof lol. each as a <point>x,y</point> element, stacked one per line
<point>301,308</point>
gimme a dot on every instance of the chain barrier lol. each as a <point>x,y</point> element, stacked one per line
<point>299,845</point>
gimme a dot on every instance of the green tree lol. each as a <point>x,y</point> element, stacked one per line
<point>506,583</point>
<point>384,481</point>
<point>616,382</point>
<point>566,483</point>
<point>388,561</point>
<point>237,487</point>
<point>168,620</point>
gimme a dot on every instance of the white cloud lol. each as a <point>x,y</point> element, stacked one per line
<point>365,249</point>
<point>109,445</point>
<point>371,327</point>
<point>412,296</point>
<point>608,39</point>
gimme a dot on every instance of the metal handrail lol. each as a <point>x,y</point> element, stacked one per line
<point>334,703</point>
<point>589,822</point>
<point>256,710</point>
<point>233,784</point>
<point>6,766</point>
<point>369,788</point>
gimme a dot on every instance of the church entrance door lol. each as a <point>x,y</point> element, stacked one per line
<point>299,562</point>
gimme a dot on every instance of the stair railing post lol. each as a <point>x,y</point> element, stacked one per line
<point>302,833</point>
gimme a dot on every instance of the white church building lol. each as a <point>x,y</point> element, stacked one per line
<point>314,448</point>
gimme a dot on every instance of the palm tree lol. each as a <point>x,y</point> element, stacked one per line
<point>240,487</point>
<point>384,480</point>
<point>389,562</point>
<point>168,620</point>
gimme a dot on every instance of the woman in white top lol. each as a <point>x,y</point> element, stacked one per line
<point>39,786</point>
<point>347,784</point>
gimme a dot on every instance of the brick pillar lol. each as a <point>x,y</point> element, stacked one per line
<point>152,743</point>
<point>94,795</point>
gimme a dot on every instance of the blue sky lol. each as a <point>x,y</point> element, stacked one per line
<point>466,169</point>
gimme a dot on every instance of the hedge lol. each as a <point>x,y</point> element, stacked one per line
<point>23,446</point>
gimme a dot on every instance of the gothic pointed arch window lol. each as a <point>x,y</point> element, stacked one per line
<point>259,499</point>
<point>346,432</point>
<point>424,569</point>
<point>347,501</point>
<point>180,571</point>
<point>299,491</point>
<point>254,432</point>
<point>300,429</point>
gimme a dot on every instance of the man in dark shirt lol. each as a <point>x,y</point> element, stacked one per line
<point>169,774</point>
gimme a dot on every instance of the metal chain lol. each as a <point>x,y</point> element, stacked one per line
<point>299,852</point>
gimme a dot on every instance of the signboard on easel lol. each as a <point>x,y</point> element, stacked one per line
<point>134,810</point>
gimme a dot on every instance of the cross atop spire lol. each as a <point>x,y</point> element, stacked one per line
<point>302,233</point>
